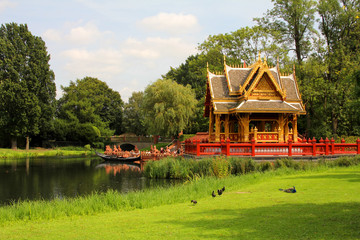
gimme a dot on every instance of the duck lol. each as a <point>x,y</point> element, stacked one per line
<point>219,192</point>
<point>213,194</point>
<point>223,189</point>
<point>194,202</point>
<point>289,190</point>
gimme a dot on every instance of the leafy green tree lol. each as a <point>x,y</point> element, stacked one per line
<point>168,107</point>
<point>133,116</point>
<point>243,44</point>
<point>339,25</point>
<point>27,88</point>
<point>291,23</point>
<point>90,102</point>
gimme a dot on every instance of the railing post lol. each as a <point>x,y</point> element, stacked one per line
<point>332,146</point>
<point>255,134</point>
<point>253,147</point>
<point>314,146</point>
<point>342,148</point>
<point>358,146</point>
<point>290,147</point>
<point>327,146</point>
<point>198,147</point>
<point>228,147</point>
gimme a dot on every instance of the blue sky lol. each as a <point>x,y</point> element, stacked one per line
<point>127,44</point>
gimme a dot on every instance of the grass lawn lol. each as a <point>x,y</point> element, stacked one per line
<point>326,206</point>
<point>42,152</point>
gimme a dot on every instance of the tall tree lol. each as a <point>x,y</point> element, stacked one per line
<point>339,23</point>
<point>244,44</point>
<point>27,88</point>
<point>291,22</point>
<point>133,116</point>
<point>90,101</point>
<point>168,107</point>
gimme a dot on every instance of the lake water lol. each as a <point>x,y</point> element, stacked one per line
<point>49,178</point>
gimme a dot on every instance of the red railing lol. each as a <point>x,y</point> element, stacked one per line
<point>310,147</point>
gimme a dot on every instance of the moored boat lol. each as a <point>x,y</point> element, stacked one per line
<point>118,158</point>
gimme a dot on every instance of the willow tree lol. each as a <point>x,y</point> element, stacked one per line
<point>168,107</point>
<point>27,88</point>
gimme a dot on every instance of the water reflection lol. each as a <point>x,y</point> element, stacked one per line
<point>50,178</point>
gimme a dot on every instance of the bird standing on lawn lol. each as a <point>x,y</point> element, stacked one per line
<point>289,190</point>
<point>219,192</point>
<point>194,202</point>
<point>213,194</point>
<point>223,189</point>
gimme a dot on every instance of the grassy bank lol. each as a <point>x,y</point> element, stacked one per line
<point>325,207</point>
<point>66,151</point>
<point>224,166</point>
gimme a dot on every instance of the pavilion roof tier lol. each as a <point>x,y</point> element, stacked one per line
<point>258,106</point>
<point>250,89</point>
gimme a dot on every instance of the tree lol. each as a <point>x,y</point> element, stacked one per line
<point>243,44</point>
<point>133,116</point>
<point>89,101</point>
<point>168,107</point>
<point>291,22</point>
<point>27,88</point>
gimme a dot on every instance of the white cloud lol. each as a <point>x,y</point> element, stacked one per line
<point>170,23</point>
<point>75,33</point>
<point>102,63</point>
<point>4,4</point>
<point>155,48</point>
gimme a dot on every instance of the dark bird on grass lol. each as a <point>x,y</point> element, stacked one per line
<point>223,189</point>
<point>219,192</point>
<point>194,202</point>
<point>289,190</point>
<point>213,194</point>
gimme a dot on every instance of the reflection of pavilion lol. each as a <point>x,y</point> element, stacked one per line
<point>253,102</point>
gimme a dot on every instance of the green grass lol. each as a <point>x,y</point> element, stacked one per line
<point>66,151</point>
<point>326,206</point>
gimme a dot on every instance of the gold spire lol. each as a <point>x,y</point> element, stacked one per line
<point>265,62</point>
<point>259,56</point>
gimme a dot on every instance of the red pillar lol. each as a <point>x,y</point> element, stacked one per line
<point>327,146</point>
<point>290,147</point>
<point>252,147</point>
<point>228,147</point>
<point>314,146</point>
<point>197,147</point>
<point>358,146</point>
<point>332,146</point>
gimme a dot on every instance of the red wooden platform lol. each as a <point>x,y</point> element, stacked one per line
<point>305,148</point>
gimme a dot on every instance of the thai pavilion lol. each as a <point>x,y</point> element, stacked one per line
<point>253,102</point>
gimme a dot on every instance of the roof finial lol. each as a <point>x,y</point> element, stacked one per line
<point>265,62</point>
<point>259,56</point>
<point>244,64</point>
<point>207,66</point>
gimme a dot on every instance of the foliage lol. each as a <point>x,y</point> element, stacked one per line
<point>167,107</point>
<point>27,88</point>
<point>133,116</point>
<point>88,110</point>
<point>291,23</point>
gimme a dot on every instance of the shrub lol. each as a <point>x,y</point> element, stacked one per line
<point>221,167</point>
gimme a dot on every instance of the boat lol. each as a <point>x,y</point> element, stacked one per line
<point>117,158</point>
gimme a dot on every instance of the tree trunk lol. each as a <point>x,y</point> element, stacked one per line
<point>13,143</point>
<point>334,124</point>
<point>27,143</point>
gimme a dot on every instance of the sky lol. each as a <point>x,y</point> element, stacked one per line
<point>127,44</point>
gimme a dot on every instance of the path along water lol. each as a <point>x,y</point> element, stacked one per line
<point>63,177</point>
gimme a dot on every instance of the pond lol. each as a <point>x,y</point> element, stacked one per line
<point>49,178</point>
